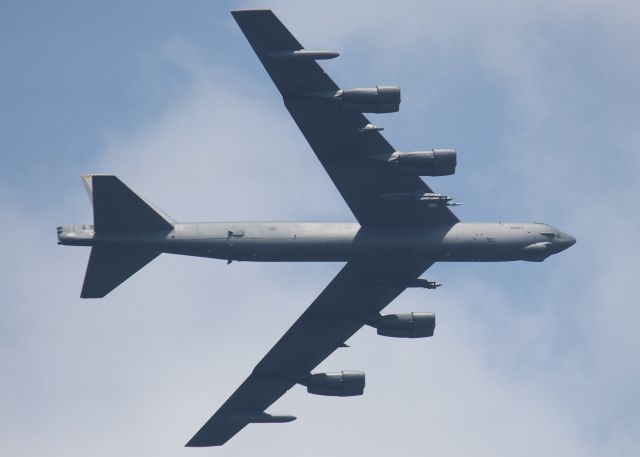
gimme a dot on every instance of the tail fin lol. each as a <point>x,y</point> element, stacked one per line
<point>117,209</point>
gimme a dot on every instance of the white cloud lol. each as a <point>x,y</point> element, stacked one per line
<point>545,364</point>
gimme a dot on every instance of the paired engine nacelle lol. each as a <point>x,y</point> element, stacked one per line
<point>351,383</point>
<point>436,162</point>
<point>386,99</point>
<point>379,99</point>
<point>410,325</point>
<point>341,384</point>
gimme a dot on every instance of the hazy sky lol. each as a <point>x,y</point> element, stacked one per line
<point>541,99</point>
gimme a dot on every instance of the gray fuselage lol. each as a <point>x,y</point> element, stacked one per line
<point>339,242</point>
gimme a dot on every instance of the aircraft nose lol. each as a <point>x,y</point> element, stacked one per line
<point>566,241</point>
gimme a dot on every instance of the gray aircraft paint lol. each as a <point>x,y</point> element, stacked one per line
<point>339,242</point>
<point>402,228</point>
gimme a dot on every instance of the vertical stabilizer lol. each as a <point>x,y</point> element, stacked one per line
<point>117,209</point>
<point>87,182</point>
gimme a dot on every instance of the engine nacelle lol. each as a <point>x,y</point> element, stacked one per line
<point>379,99</point>
<point>411,325</point>
<point>437,162</point>
<point>341,384</point>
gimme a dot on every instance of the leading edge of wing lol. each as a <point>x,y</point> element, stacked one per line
<point>377,192</point>
<point>253,396</point>
<point>270,40</point>
<point>359,289</point>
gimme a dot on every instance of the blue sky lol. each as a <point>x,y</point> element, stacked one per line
<point>541,101</point>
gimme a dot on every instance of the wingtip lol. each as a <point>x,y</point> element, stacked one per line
<point>249,11</point>
<point>194,443</point>
<point>86,292</point>
<point>204,439</point>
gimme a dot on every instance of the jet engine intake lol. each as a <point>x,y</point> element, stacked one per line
<point>341,384</point>
<point>379,99</point>
<point>410,325</point>
<point>436,162</point>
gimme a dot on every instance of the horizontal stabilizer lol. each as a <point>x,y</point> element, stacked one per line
<point>110,266</point>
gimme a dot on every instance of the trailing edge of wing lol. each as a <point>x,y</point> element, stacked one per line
<point>336,134</point>
<point>270,40</point>
<point>359,289</point>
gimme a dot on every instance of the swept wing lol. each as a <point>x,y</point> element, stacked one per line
<point>347,152</point>
<point>360,290</point>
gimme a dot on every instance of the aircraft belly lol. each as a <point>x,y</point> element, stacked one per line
<point>310,249</point>
<point>316,242</point>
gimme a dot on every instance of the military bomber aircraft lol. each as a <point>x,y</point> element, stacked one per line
<point>403,227</point>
